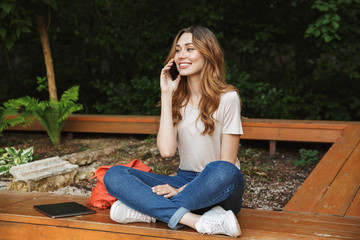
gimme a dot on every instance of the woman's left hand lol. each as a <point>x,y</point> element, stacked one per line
<point>167,190</point>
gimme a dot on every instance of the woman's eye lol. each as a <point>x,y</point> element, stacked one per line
<point>190,49</point>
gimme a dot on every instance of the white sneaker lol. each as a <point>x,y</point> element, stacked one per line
<point>121,213</point>
<point>219,221</point>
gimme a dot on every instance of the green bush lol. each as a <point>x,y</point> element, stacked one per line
<point>298,61</point>
<point>51,114</point>
<point>307,158</point>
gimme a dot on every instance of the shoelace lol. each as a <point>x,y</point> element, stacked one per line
<point>133,214</point>
<point>212,226</point>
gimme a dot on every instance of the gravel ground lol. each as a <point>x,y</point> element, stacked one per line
<point>270,181</point>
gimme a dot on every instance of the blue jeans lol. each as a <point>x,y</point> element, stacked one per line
<point>220,183</point>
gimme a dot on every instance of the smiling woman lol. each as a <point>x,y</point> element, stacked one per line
<point>200,118</point>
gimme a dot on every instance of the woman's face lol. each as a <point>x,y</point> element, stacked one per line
<point>188,59</point>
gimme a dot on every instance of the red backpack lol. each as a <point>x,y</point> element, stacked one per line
<point>99,197</point>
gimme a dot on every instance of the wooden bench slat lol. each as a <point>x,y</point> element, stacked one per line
<point>19,220</point>
<point>316,184</point>
<point>305,124</point>
<point>343,189</point>
<point>291,134</point>
<point>354,209</point>
<point>259,129</point>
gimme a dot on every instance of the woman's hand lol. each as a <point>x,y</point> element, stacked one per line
<point>168,85</point>
<point>167,190</point>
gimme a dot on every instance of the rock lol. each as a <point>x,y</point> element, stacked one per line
<point>89,156</point>
<point>43,175</point>
<point>155,152</point>
<point>45,184</point>
<point>86,172</point>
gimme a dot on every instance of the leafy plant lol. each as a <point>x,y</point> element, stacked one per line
<point>11,157</point>
<point>307,158</point>
<point>51,114</point>
<point>162,169</point>
<point>250,164</point>
<point>9,117</point>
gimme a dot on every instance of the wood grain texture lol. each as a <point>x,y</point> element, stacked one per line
<point>354,209</point>
<point>260,129</point>
<point>317,183</point>
<point>18,220</point>
<point>343,189</point>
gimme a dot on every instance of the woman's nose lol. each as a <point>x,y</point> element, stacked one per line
<point>182,54</point>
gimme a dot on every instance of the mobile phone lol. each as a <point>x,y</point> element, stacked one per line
<point>173,71</point>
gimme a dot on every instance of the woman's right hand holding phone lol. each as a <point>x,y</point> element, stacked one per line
<point>167,85</point>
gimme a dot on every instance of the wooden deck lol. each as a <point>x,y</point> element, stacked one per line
<point>18,220</point>
<point>327,205</point>
<point>333,186</point>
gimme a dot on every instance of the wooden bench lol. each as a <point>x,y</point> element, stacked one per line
<point>256,129</point>
<point>332,188</point>
<point>18,220</point>
<point>259,129</point>
<point>333,185</point>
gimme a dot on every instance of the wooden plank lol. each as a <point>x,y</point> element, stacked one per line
<point>316,184</point>
<point>289,123</point>
<point>261,129</point>
<point>306,224</point>
<point>343,189</point>
<point>291,134</point>
<point>111,127</point>
<point>354,209</point>
<point>19,221</point>
<point>17,231</point>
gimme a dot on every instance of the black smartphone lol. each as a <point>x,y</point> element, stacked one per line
<point>173,71</point>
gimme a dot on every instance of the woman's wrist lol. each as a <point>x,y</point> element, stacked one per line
<point>166,98</point>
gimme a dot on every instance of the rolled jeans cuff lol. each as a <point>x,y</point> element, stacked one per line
<point>174,220</point>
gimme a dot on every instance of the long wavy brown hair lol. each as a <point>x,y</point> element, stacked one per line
<point>212,77</point>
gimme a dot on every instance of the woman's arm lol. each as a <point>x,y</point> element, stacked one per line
<point>229,147</point>
<point>167,134</point>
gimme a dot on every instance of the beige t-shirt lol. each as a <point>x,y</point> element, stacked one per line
<point>196,150</point>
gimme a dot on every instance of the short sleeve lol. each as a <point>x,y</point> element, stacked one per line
<point>231,114</point>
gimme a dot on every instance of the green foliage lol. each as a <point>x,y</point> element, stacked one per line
<point>299,60</point>
<point>250,164</point>
<point>9,116</point>
<point>16,18</point>
<point>42,84</point>
<point>307,158</point>
<point>162,169</point>
<point>11,157</point>
<point>51,114</point>
<point>327,25</point>
<point>140,96</point>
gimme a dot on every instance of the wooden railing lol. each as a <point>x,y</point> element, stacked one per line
<point>256,129</point>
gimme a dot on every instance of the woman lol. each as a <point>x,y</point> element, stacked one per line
<point>200,117</point>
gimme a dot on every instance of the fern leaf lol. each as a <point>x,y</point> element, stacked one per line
<point>72,94</point>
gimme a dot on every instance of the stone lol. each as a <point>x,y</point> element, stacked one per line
<point>86,172</point>
<point>155,152</point>
<point>44,185</point>
<point>89,156</point>
<point>43,175</point>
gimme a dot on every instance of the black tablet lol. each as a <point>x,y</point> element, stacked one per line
<point>66,209</point>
